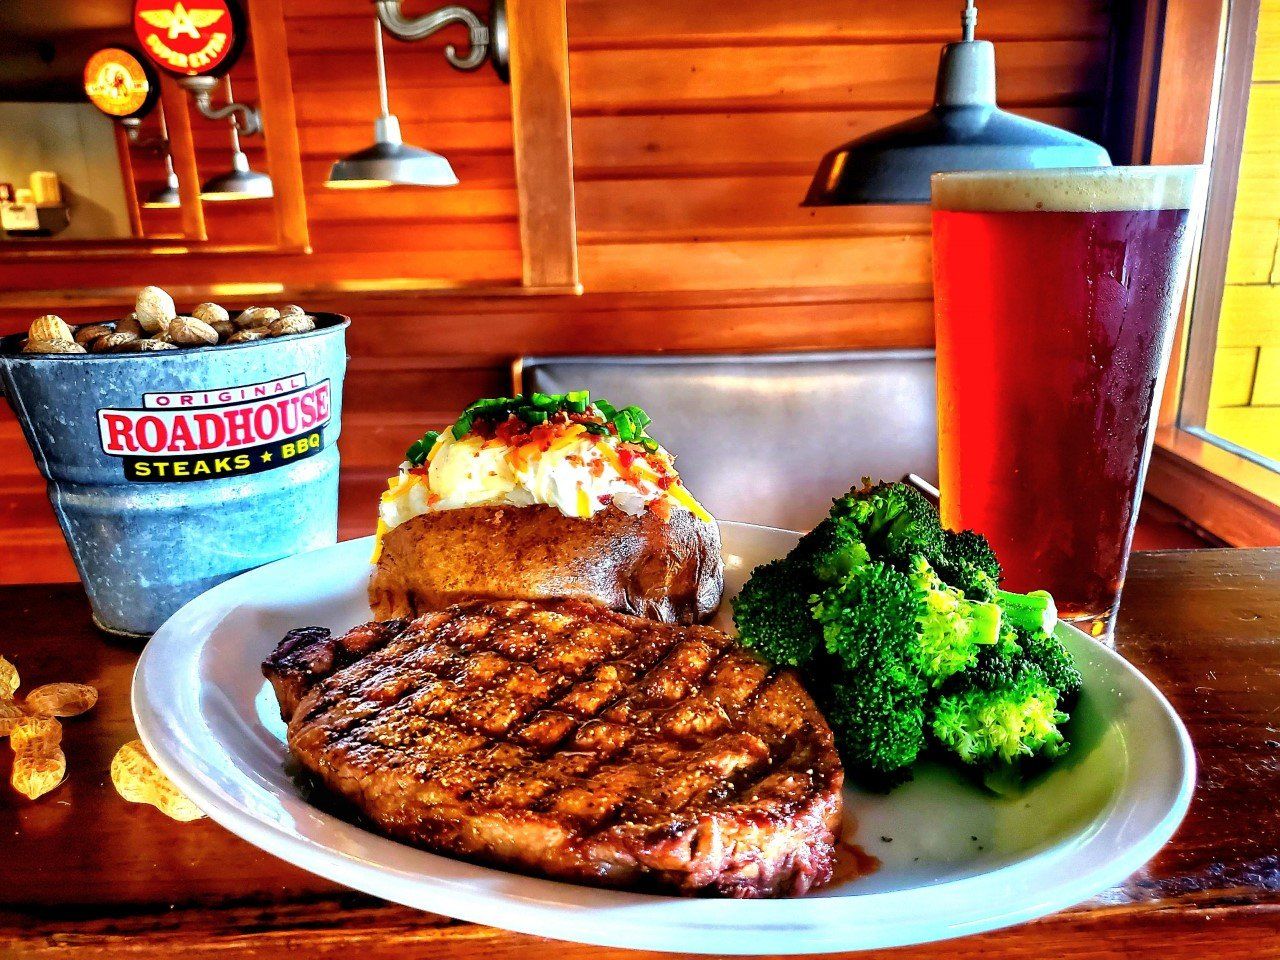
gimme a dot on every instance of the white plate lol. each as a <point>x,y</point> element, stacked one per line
<point>954,860</point>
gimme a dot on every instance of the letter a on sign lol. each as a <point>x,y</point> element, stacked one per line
<point>190,38</point>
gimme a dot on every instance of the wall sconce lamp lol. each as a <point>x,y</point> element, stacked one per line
<point>245,117</point>
<point>167,196</point>
<point>965,130</point>
<point>240,182</point>
<point>390,160</point>
<point>486,42</point>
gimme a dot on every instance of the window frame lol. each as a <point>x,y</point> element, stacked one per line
<point>1193,97</point>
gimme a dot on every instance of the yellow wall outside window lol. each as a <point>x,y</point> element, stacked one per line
<point>1244,400</point>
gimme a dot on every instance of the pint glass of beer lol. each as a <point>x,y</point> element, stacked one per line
<point>1056,293</point>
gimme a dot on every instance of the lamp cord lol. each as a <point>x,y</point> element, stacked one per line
<point>968,20</point>
<point>382,68</point>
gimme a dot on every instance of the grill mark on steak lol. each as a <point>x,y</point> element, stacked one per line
<point>560,738</point>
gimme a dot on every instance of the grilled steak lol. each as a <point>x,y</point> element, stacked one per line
<point>564,739</point>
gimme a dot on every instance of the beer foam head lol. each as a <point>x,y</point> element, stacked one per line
<point>1082,190</point>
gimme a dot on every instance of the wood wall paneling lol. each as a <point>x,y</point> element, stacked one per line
<point>694,131</point>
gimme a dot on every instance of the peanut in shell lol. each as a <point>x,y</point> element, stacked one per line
<point>50,327</point>
<point>290,324</point>
<point>190,332</point>
<point>113,342</point>
<point>91,332</point>
<point>52,346</point>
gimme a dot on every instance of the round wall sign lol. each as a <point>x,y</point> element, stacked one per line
<point>119,84</point>
<point>190,37</point>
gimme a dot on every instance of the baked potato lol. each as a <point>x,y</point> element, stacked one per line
<point>665,569</point>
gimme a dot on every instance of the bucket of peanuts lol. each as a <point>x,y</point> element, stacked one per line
<point>181,449</point>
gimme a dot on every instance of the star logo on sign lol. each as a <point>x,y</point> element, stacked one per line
<point>266,457</point>
<point>180,21</point>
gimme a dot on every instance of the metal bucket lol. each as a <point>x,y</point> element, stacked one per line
<point>172,471</point>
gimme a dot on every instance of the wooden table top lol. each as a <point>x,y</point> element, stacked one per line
<point>83,873</point>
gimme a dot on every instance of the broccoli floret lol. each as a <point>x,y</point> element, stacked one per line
<point>873,691</point>
<point>893,520</point>
<point>999,715</point>
<point>969,563</point>
<point>773,612</point>
<point>952,628</point>
<point>832,551</point>
<point>1029,611</point>
<point>1046,651</point>
<point>877,715</point>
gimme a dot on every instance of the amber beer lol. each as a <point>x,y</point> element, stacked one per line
<point>1056,294</point>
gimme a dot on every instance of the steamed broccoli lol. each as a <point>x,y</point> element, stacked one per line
<point>871,685</point>
<point>894,634</point>
<point>970,564</point>
<point>773,611</point>
<point>951,628</point>
<point>1046,651</point>
<point>893,520</point>
<point>1029,611</point>
<point>902,632</point>
<point>997,716</point>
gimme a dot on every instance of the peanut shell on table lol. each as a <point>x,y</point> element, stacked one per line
<point>61,700</point>
<point>190,332</point>
<point>255,317</point>
<point>91,332</point>
<point>290,324</point>
<point>211,313</point>
<point>113,342</point>
<point>50,327</point>
<point>52,346</point>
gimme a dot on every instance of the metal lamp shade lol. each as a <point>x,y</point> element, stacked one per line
<point>965,130</point>
<point>166,197</point>
<point>390,161</point>
<point>239,183</point>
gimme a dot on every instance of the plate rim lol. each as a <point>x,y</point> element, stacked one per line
<point>807,934</point>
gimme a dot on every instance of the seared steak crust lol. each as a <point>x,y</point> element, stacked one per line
<point>564,739</point>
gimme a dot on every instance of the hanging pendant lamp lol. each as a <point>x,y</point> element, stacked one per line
<point>166,197</point>
<point>240,182</point>
<point>390,160</point>
<point>965,130</point>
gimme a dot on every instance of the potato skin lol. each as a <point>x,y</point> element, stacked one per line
<point>666,570</point>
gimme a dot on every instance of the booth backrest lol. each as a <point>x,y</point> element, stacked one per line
<point>770,438</point>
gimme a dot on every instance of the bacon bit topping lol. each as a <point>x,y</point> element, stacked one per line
<point>661,508</point>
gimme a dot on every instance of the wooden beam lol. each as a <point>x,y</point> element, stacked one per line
<point>543,141</point>
<point>130,185</point>
<point>182,148</point>
<point>280,123</point>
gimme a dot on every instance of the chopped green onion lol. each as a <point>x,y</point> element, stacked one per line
<point>599,429</point>
<point>462,426</point>
<point>546,401</point>
<point>418,450</point>
<point>533,417</point>
<point>638,416</point>
<point>649,444</point>
<point>577,401</point>
<point>625,426</point>
<point>606,408</point>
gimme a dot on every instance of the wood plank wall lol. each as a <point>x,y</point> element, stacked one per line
<point>695,128</point>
